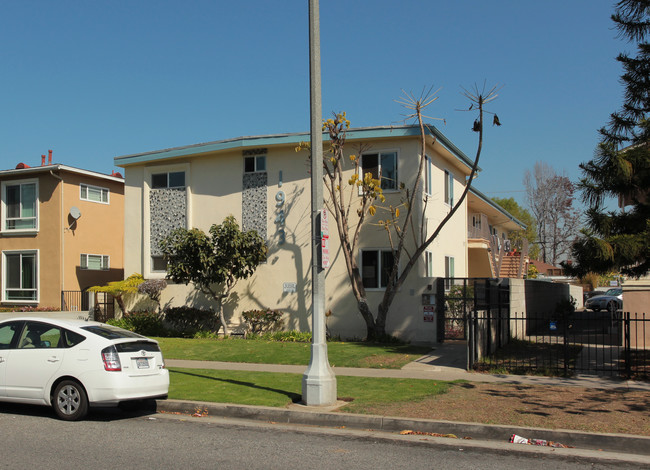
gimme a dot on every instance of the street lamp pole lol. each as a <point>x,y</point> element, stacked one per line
<point>318,381</point>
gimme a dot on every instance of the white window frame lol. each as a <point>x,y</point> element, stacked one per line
<point>104,261</point>
<point>428,264</point>
<point>379,169</point>
<point>428,172</point>
<point>167,186</point>
<point>4,209</point>
<point>5,265</point>
<point>379,251</point>
<point>257,167</point>
<point>450,270</point>
<point>449,188</point>
<point>102,191</point>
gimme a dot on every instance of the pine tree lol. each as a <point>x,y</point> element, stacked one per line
<point>620,240</point>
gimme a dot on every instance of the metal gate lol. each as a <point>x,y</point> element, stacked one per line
<point>461,296</point>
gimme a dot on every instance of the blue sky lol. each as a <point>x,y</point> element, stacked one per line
<point>93,80</point>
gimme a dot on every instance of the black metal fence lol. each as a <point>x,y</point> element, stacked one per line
<point>78,301</point>
<point>582,342</point>
<point>464,295</point>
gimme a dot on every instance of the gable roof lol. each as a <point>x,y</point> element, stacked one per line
<point>361,133</point>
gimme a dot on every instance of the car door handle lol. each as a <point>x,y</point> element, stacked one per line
<point>52,359</point>
<point>2,359</point>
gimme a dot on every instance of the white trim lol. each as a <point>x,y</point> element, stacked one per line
<point>256,170</point>
<point>4,276</point>
<point>145,262</point>
<point>48,168</point>
<point>360,264</point>
<point>379,152</point>
<point>3,205</point>
<point>102,189</point>
<point>103,268</point>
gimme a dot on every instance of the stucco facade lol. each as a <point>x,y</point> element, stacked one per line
<point>265,184</point>
<point>62,230</point>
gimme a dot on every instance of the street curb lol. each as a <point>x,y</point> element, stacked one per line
<point>637,445</point>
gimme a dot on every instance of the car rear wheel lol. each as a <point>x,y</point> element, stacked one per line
<point>70,402</point>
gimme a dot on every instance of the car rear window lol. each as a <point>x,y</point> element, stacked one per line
<point>111,332</point>
<point>135,346</point>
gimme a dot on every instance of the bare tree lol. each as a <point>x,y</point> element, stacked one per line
<point>366,191</point>
<point>550,198</point>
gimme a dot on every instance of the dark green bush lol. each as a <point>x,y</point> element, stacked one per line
<point>262,321</point>
<point>292,336</point>
<point>143,323</point>
<point>189,320</point>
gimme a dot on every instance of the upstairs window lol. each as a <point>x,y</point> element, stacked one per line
<point>428,169</point>
<point>449,188</point>
<point>19,204</point>
<point>382,166</point>
<point>428,264</point>
<point>172,179</point>
<point>94,262</point>
<point>93,193</point>
<point>255,164</point>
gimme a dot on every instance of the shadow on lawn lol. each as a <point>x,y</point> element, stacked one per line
<point>294,397</point>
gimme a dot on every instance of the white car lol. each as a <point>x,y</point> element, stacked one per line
<point>73,364</point>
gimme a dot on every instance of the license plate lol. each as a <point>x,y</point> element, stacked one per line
<point>142,363</point>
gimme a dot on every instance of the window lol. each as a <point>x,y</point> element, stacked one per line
<point>255,164</point>
<point>428,169</point>
<point>381,166</point>
<point>449,271</point>
<point>428,264</point>
<point>158,264</point>
<point>375,268</point>
<point>93,193</point>
<point>94,262</point>
<point>39,335</point>
<point>20,276</point>
<point>8,334</point>
<point>19,205</point>
<point>175,179</point>
<point>449,188</point>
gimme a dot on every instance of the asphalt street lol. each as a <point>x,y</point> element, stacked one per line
<point>32,437</point>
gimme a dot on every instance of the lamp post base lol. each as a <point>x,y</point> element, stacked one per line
<point>319,381</point>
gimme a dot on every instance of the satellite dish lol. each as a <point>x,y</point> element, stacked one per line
<point>75,213</point>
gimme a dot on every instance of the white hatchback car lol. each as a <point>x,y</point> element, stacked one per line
<point>73,364</point>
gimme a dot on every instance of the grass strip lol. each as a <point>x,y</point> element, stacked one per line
<point>279,390</point>
<point>341,354</point>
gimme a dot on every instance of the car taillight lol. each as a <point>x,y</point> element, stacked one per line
<point>111,359</point>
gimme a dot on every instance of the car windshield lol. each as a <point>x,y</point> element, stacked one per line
<point>111,332</point>
<point>614,292</point>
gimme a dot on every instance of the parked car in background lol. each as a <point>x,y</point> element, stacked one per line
<point>611,300</point>
<point>73,364</point>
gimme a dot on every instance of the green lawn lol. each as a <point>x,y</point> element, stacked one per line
<point>341,354</point>
<point>278,390</point>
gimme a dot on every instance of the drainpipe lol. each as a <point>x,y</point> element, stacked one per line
<point>62,258</point>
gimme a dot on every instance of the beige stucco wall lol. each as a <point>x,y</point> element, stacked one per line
<point>214,186</point>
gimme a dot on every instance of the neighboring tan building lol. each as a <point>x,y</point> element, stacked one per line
<point>265,184</point>
<point>62,229</point>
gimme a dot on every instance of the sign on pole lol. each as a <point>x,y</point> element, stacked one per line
<point>325,240</point>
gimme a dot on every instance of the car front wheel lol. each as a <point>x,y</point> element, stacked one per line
<point>70,402</point>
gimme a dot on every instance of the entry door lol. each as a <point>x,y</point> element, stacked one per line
<point>31,366</point>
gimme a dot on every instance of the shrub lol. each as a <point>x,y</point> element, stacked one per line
<point>153,288</point>
<point>143,323</point>
<point>262,321</point>
<point>189,320</point>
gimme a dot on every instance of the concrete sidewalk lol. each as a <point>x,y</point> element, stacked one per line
<point>446,362</point>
